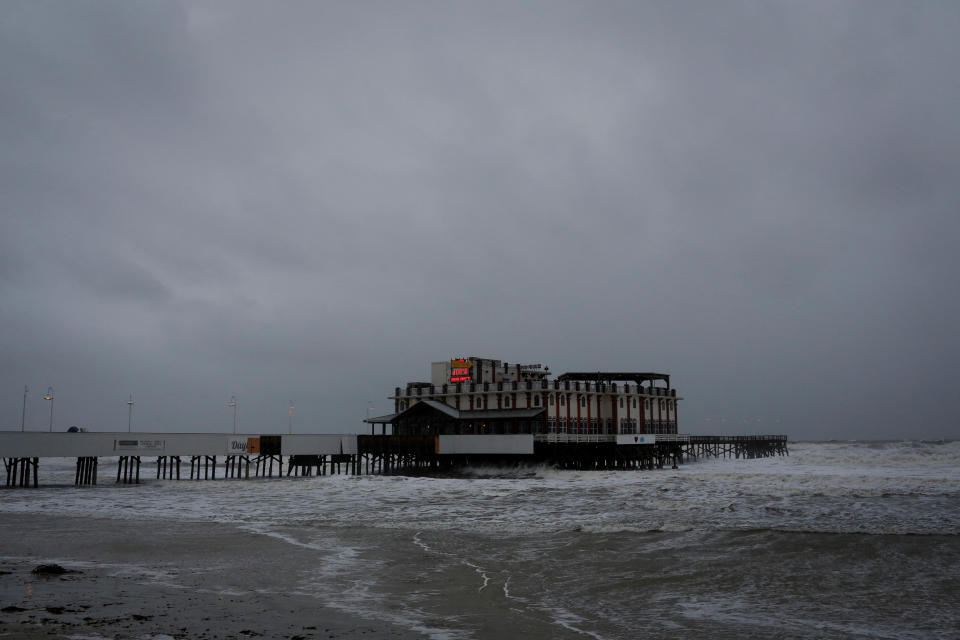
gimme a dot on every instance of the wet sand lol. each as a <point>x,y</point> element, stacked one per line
<point>158,580</point>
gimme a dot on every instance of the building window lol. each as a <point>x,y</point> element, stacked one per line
<point>647,403</point>
<point>634,403</point>
<point>621,403</point>
<point>583,401</point>
<point>536,400</point>
<point>563,401</point>
<point>479,403</point>
<point>506,401</point>
<point>550,399</point>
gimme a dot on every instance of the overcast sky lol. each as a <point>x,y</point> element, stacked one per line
<point>310,202</point>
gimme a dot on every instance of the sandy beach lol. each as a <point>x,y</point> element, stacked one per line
<point>838,540</point>
<point>152,579</point>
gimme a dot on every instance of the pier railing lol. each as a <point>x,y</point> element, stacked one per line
<point>574,437</point>
<point>730,439</point>
<point>672,437</point>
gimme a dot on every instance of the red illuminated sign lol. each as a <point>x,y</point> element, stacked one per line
<point>460,370</point>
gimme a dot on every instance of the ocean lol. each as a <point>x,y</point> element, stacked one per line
<point>837,540</point>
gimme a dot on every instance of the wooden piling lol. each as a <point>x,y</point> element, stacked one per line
<point>21,472</point>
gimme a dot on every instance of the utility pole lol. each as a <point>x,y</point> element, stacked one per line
<point>23,414</point>
<point>233,404</point>
<point>130,414</point>
<point>49,397</point>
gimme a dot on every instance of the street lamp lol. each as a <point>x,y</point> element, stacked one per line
<point>130,413</point>
<point>49,397</point>
<point>233,405</point>
<point>23,415</point>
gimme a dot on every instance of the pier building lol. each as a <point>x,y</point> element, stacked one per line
<point>472,411</point>
<point>475,396</point>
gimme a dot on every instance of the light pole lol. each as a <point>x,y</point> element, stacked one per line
<point>233,404</point>
<point>290,418</point>
<point>130,414</point>
<point>49,397</point>
<point>23,414</point>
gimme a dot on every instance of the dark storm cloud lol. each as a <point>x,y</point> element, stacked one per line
<point>310,202</point>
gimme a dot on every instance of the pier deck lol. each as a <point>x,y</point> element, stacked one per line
<point>243,456</point>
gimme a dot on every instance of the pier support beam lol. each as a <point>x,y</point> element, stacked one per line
<point>236,466</point>
<point>206,464</point>
<point>128,470</point>
<point>21,470</point>
<point>168,467</point>
<point>264,465</point>
<point>303,465</point>
<point>86,471</point>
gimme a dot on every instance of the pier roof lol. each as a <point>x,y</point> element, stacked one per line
<point>384,419</point>
<point>613,376</point>
<point>456,414</point>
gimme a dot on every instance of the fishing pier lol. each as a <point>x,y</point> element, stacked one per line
<point>473,412</point>
<point>211,456</point>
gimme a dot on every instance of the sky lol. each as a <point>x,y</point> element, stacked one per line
<point>306,203</point>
